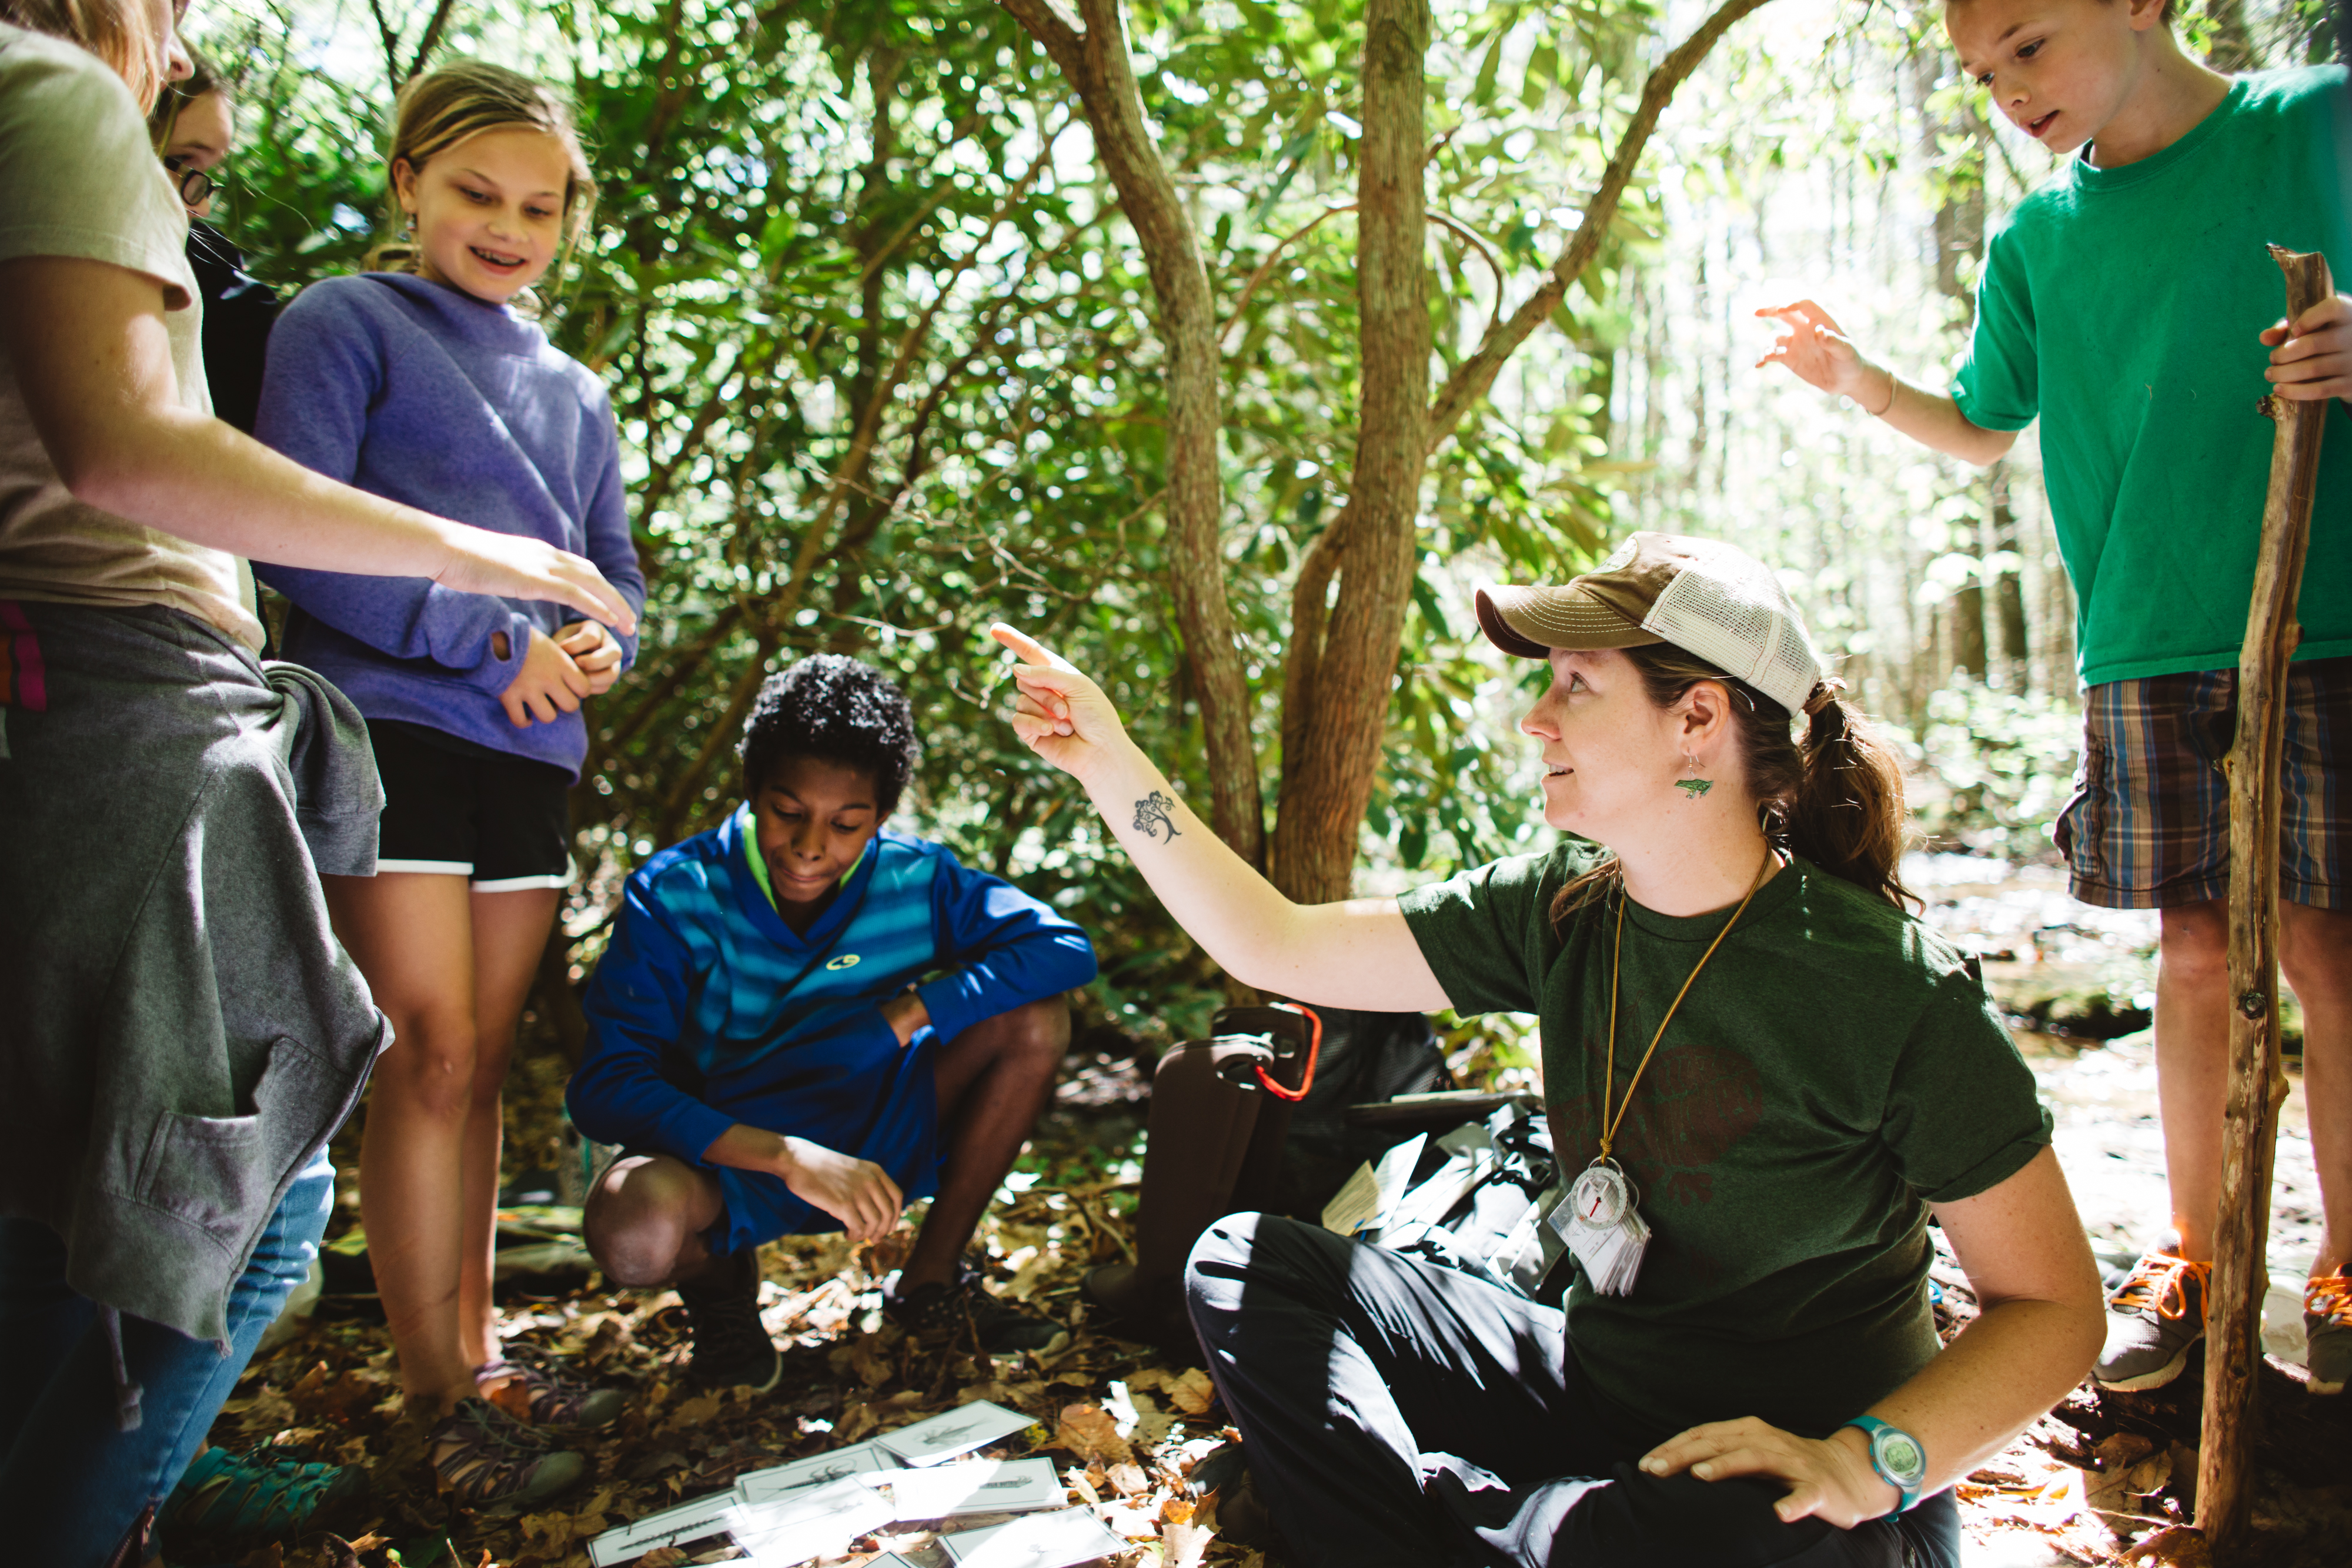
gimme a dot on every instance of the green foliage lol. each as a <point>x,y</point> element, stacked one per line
<point>2005,760</point>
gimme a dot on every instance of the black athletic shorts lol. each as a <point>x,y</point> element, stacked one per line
<point>459,808</point>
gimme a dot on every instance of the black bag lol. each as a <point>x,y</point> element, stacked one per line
<point>1221,1117</point>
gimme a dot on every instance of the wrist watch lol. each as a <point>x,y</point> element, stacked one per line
<point>1900,1458</point>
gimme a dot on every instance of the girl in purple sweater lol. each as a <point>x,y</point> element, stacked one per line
<point>425,386</point>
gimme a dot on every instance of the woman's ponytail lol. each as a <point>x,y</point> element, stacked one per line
<point>1845,813</point>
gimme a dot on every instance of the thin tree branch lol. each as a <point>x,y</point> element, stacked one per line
<point>1475,376</point>
<point>430,41</point>
<point>1284,243</point>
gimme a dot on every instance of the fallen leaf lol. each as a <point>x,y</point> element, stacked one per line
<point>1089,1431</point>
<point>2174,1546</point>
<point>1185,1544</point>
<point>1193,1393</point>
<point>1128,1480</point>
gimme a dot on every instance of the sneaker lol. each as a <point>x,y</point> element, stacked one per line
<point>486,1461</point>
<point>531,1389</point>
<point>2153,1318</point>
<point>2327,1331</point>
<point>731,1347</point>
<point>230,1499</point>
<point>960,1310</point>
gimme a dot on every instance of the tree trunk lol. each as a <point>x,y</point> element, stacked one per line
<point>1095,63</point>
<point>2233,41</point>
<point>2008,583</point>
<point>1335,712</point>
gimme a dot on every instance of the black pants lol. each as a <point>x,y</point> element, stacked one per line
<point>1400,1412</point>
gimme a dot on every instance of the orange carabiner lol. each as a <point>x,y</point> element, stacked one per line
<point>1314,1048</point>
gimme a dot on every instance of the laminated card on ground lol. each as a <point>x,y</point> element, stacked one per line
<point>686,1522</point>
<point>856,1459</point>
<point>1040,1541</point>
<point>958,1431</point>
<point>815,1522</point>
<point>974,1486</point>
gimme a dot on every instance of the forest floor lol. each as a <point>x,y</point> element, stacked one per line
<point>2102,1480</point>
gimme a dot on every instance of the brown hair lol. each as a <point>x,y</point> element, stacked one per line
<point>462,100</point>
<point>1836,799</point>
<point>203,81</point>
<point>114,30</point>
<point>2171,8</point>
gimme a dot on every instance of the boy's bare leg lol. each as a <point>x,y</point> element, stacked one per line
<point>2315,952</point>
<point>2192,1039</point>
<point>2192,1064</point>
<point>646,1218</point>
<point>993,1080</point>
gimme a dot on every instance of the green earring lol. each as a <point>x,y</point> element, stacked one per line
<point>1693,786</point>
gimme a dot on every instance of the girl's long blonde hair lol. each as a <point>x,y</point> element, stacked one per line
<point>442,109</point>
<point>114,30</point>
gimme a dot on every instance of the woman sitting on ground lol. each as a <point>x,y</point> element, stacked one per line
<point>1763,1080</point>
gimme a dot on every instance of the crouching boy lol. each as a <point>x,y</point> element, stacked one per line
<point>803,1022</point>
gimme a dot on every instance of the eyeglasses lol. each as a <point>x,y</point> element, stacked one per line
<point>197,185</point>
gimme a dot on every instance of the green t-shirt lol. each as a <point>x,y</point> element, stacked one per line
<point>2122,306</point>
<point>1833,1071</point>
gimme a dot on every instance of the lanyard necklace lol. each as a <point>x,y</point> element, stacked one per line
<point>1603,1195</point>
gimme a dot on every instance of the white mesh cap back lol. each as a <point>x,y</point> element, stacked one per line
<point>1729,610</point>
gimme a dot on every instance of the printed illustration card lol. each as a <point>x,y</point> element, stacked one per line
<point>977,1486</point>
<point>687,1521</point>
<point>1040,1541</point>
<point>958,1431</point>
<point>856,1459</point>
<point>815,1522</point>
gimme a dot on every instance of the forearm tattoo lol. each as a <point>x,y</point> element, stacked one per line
<point>1153,812</point>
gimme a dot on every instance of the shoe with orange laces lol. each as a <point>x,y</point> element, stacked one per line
<point>2327,1331</point>
<point>2152,1320</point>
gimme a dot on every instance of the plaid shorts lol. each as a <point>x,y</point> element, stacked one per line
<point>2148,825</point>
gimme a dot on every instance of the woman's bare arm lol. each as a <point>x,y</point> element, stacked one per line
<point>89,348</point>
<point>1357,954</point>
<point>2022,1244</point>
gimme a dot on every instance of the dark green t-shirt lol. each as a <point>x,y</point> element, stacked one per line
<point>1833,1071</point>
<point>2121,306</point>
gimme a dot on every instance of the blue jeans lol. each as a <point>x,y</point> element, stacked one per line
<point>73,1485</point>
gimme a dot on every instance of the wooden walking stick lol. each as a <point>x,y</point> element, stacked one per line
<point>2257,1081</point>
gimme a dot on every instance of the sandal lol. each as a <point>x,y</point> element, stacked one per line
<point>485,1458</point>
<point>530,1388</point>
<point>252,1496</point>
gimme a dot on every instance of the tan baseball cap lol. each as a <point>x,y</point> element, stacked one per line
<point>1704,596</point>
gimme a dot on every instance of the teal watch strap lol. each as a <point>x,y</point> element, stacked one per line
<point>1900,1458</point>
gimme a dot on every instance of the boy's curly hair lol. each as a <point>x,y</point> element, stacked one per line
<point>830,707</point>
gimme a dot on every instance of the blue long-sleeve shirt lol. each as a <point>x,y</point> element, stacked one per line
<point>707,1009</point>
<point>425,394</point>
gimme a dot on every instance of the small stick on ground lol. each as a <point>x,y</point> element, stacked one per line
<point>2257,1080</point>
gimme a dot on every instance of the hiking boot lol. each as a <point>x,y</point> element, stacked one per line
<point>731,1347</point>
<point>1223,1473</point>
<point>2327,1331</point>
<point>2153,1318</point>
<point>531,1389</point>
<point>231,1500</point>
<point>488,1461</point>
<point>959,1310</point>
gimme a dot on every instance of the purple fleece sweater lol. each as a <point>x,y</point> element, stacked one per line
<point>425,394</point>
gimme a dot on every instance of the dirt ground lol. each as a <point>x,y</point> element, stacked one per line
<point>2102,1480</point>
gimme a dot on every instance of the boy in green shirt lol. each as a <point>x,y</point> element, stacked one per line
<point>2116,305</point>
